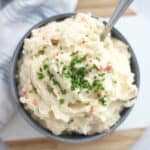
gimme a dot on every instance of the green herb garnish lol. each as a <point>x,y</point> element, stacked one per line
<point>40,75</point>
<point>61,62</point>
<point>87,92</point>
<point>114,81</point>
<point>87,35</point>
<point>50,75</point>
<point>77,75</point>
<point>103,101</point>
<point>49,88</point>
<point>70,121</point>
<point>98,58</point>
<point>78,101</point>
<point>61,101</point>
<point>66,72</point>
<point>77,60</point>
<point>63,91</point>
<point>98,95</point>
<point>41,69</point>
<point>57,59</point>
<point>45,66</point>
<point>97,85</point>
<point>74,53</point>
<point>95,67</point>
<point>41,52</point>
<point>34,89</point>
<point>61,48</point>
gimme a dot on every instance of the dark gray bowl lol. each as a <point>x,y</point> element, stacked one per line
<point>74,138</point>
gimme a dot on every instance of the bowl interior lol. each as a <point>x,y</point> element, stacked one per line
<point>73,138</point>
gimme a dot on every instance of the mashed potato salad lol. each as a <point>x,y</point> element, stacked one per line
<point>71,81</point>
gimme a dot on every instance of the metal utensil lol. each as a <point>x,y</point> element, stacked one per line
<point>120,9</point>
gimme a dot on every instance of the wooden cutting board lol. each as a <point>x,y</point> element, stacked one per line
<point>103,8</point>
<point>119,140</point>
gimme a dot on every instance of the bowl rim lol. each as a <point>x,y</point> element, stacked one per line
<point>25,114</point>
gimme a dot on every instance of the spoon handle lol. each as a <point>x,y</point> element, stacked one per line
<point>120,9</point>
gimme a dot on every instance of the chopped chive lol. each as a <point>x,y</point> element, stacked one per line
<point>46,46</point>
<point>65,71</point>
<point>70,121</point>
<point>57,59</point>
<point>114,81</point>
<point>95,67</point>
<point>40,75</point>
<point>87,92</point>
<point>50,75</point>
<point>103,101</point>
<point>101,75</point>
<point>72,88</point>
<point>97,85</point>
<point>77,75</point>
<point>61,101</point>
<point>55,82</point>
<point>63,91</point>
<point>98,58</point>
<point>41,52</point>
<point>78,101</point>
<point>87,35</point>
<point>45,66</point>
<point>49,88</point>
<point>41,69</point>
<point>98,95</point>
<point>61,62</point>
<point>61,48</point>
<point>87,65</point>
<point>74,53</point>
<point>34,89</point>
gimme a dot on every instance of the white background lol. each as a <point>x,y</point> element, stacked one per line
<point>137,30</point>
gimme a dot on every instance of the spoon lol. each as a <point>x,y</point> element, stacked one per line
<point>120,9</point>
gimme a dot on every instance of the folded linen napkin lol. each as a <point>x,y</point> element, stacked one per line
<point>18,16</point>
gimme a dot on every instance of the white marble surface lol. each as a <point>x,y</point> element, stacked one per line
<point>136,30</point>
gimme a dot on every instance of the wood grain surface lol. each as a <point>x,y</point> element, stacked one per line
<point>119,140</point>
<point>103,8</point>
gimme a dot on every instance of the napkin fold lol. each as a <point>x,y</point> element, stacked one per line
<point>16,18</point>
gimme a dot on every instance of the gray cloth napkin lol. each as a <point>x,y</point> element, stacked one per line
<point>3,146</point>
<point>16,17</point>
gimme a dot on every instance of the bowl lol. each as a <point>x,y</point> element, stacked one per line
<point>73,138</point>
